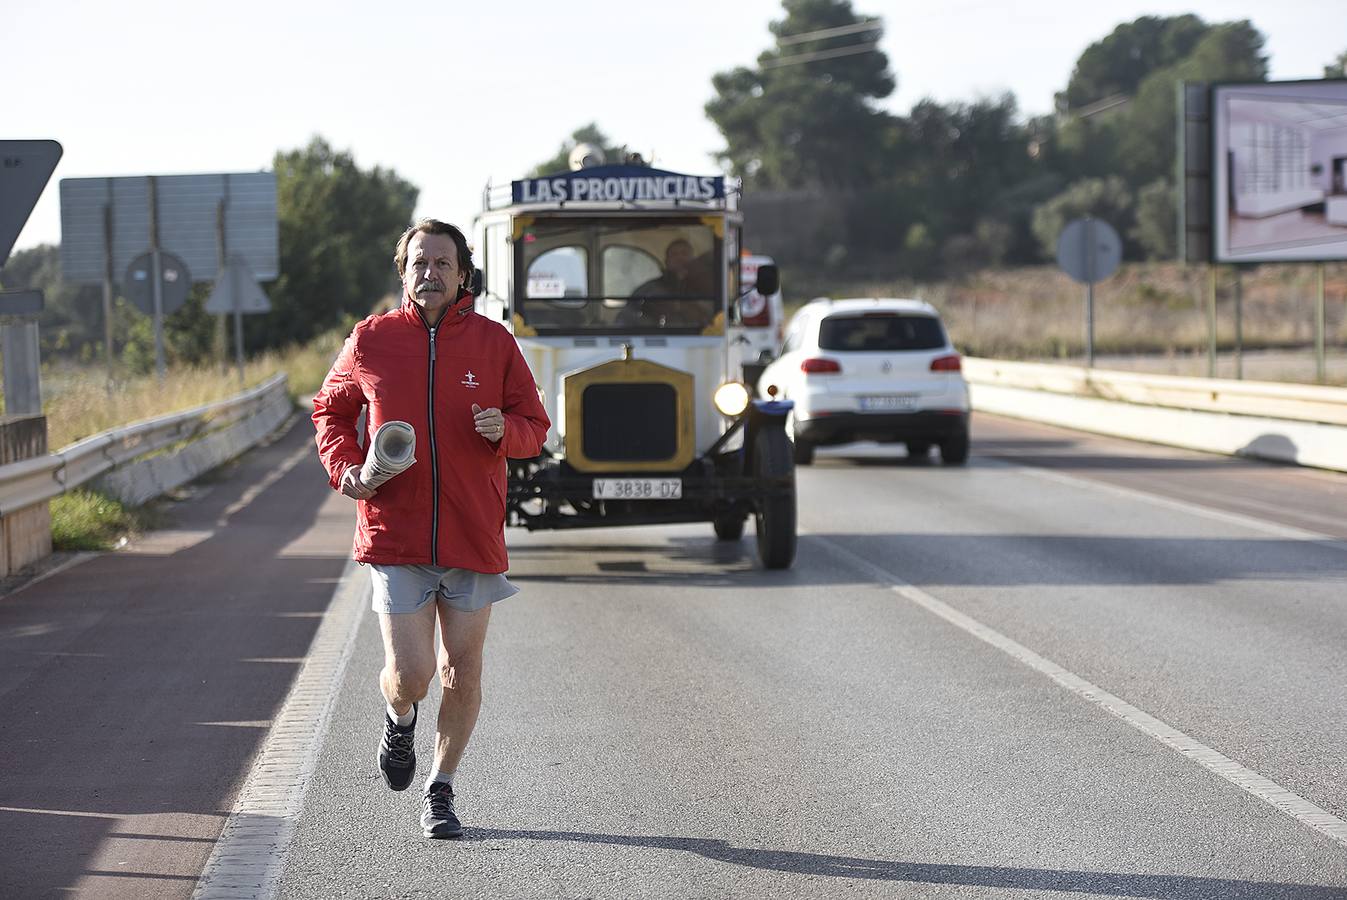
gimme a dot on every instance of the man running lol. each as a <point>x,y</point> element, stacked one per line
<point>433,536</point>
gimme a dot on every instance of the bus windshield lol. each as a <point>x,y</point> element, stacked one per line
<point>619,276</point>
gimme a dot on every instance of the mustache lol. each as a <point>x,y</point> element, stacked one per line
<point>432,285</point>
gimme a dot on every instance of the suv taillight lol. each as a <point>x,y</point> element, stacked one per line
<point>818,365</point>
<point>949,363</point>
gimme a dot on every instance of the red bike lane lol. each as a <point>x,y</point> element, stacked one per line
<point>136,686</point>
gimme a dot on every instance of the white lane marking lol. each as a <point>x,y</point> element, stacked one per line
<point>250,855</point>
<point>275,475</point>
<point>1183,506</point>
<point>1260,786</point>
<point>81,814</point>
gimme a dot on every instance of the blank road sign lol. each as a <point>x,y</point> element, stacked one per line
<point>25,169</point>
<point>237,286</point>
<point>188,209</point>
<point>20,303</point>
<point>1089,250</point>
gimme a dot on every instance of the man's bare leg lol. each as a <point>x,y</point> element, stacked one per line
<point>462,636</point>
<point>409,664</point>
<point>409,656</point>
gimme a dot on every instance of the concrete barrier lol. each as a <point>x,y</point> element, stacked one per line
<point>144,479</point>
<point>1302,424</point>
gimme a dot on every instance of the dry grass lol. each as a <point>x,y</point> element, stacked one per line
<point>80,402</point>
<point>1157,308</point>
<point>1031,313</point>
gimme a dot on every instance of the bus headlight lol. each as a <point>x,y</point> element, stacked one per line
<point>731,399</point>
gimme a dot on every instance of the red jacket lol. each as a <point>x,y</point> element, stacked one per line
<point>448,509</point>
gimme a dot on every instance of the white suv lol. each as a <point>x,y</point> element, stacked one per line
<point>871,370</point>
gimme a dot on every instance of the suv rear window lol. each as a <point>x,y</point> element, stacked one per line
<point>880,332</point>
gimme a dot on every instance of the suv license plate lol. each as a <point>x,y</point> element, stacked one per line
<point>890,402</point>
<point>638,488</point>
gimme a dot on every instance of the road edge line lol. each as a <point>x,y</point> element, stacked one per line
<point>1260,786</point>
<point>251,852</point>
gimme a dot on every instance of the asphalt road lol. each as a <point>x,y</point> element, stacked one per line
<point>137,686</point>
<point>969,685</point>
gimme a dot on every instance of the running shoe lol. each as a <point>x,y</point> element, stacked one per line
<point>397,752</point>
<point>437,812</point>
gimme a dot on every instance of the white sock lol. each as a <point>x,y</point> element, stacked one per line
<point>401,720</point>
<point>436,776</point>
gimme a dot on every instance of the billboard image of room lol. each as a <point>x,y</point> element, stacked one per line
<point>1279,171</point>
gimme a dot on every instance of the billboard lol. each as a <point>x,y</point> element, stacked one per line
<point>1279,171</point>
<point>112,219</point>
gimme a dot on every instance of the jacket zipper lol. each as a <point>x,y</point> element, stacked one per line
<point>434,461</point>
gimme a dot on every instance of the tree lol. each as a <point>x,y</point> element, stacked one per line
<point>1106,199</point>
<point>189,334</point>
<point>586,134</point>
<point>71,322</point>
<point>338,226</point>
<point>1118,63</point>
<point>805,115</point>
<point>1228,52</point>
<point>1338,67</point>
<point>1157,215</point>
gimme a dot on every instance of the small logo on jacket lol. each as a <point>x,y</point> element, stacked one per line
<point>471,381</point>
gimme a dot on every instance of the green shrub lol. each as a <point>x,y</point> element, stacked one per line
<point>87,520</point>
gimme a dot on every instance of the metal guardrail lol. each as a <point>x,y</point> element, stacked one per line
<point>31,481</point>
<point>1266,399</point>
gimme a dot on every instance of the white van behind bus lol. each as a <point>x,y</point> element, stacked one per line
<point>760,322</point>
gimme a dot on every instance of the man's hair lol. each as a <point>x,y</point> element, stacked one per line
<point>435,226</point>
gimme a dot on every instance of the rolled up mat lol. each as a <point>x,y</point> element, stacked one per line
<point>392,451</point>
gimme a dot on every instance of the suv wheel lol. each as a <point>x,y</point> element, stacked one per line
<point>954,449</point>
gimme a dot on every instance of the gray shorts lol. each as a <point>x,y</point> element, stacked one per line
<point>405,589</point>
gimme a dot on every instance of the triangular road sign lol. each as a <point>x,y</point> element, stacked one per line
<point>237,278</point>
<point>25,169</point>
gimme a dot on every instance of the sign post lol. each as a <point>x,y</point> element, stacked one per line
<point>236,291</point>
<point>157,283</point>
<point>1239,325</point>
<point>1320,364</point>
<point>108,288</point>
<point>1089,250</point>
<point>18,342</point>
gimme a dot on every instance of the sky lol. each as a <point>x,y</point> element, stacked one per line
<point>451,94</point>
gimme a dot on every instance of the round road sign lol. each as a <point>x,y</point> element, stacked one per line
<point>1089,250</point>
<point>138,286</point>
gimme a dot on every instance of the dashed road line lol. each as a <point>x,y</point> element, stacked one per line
<point>295,458</point>
<point>250,855</point>
<point>1260,786</point>
<point>1195,509</point>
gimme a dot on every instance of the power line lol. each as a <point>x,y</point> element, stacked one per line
<point>820,54</point>
<point>869,25</point>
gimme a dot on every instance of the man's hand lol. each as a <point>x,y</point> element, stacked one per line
<point>352,486</point>
<point>490,423</point>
